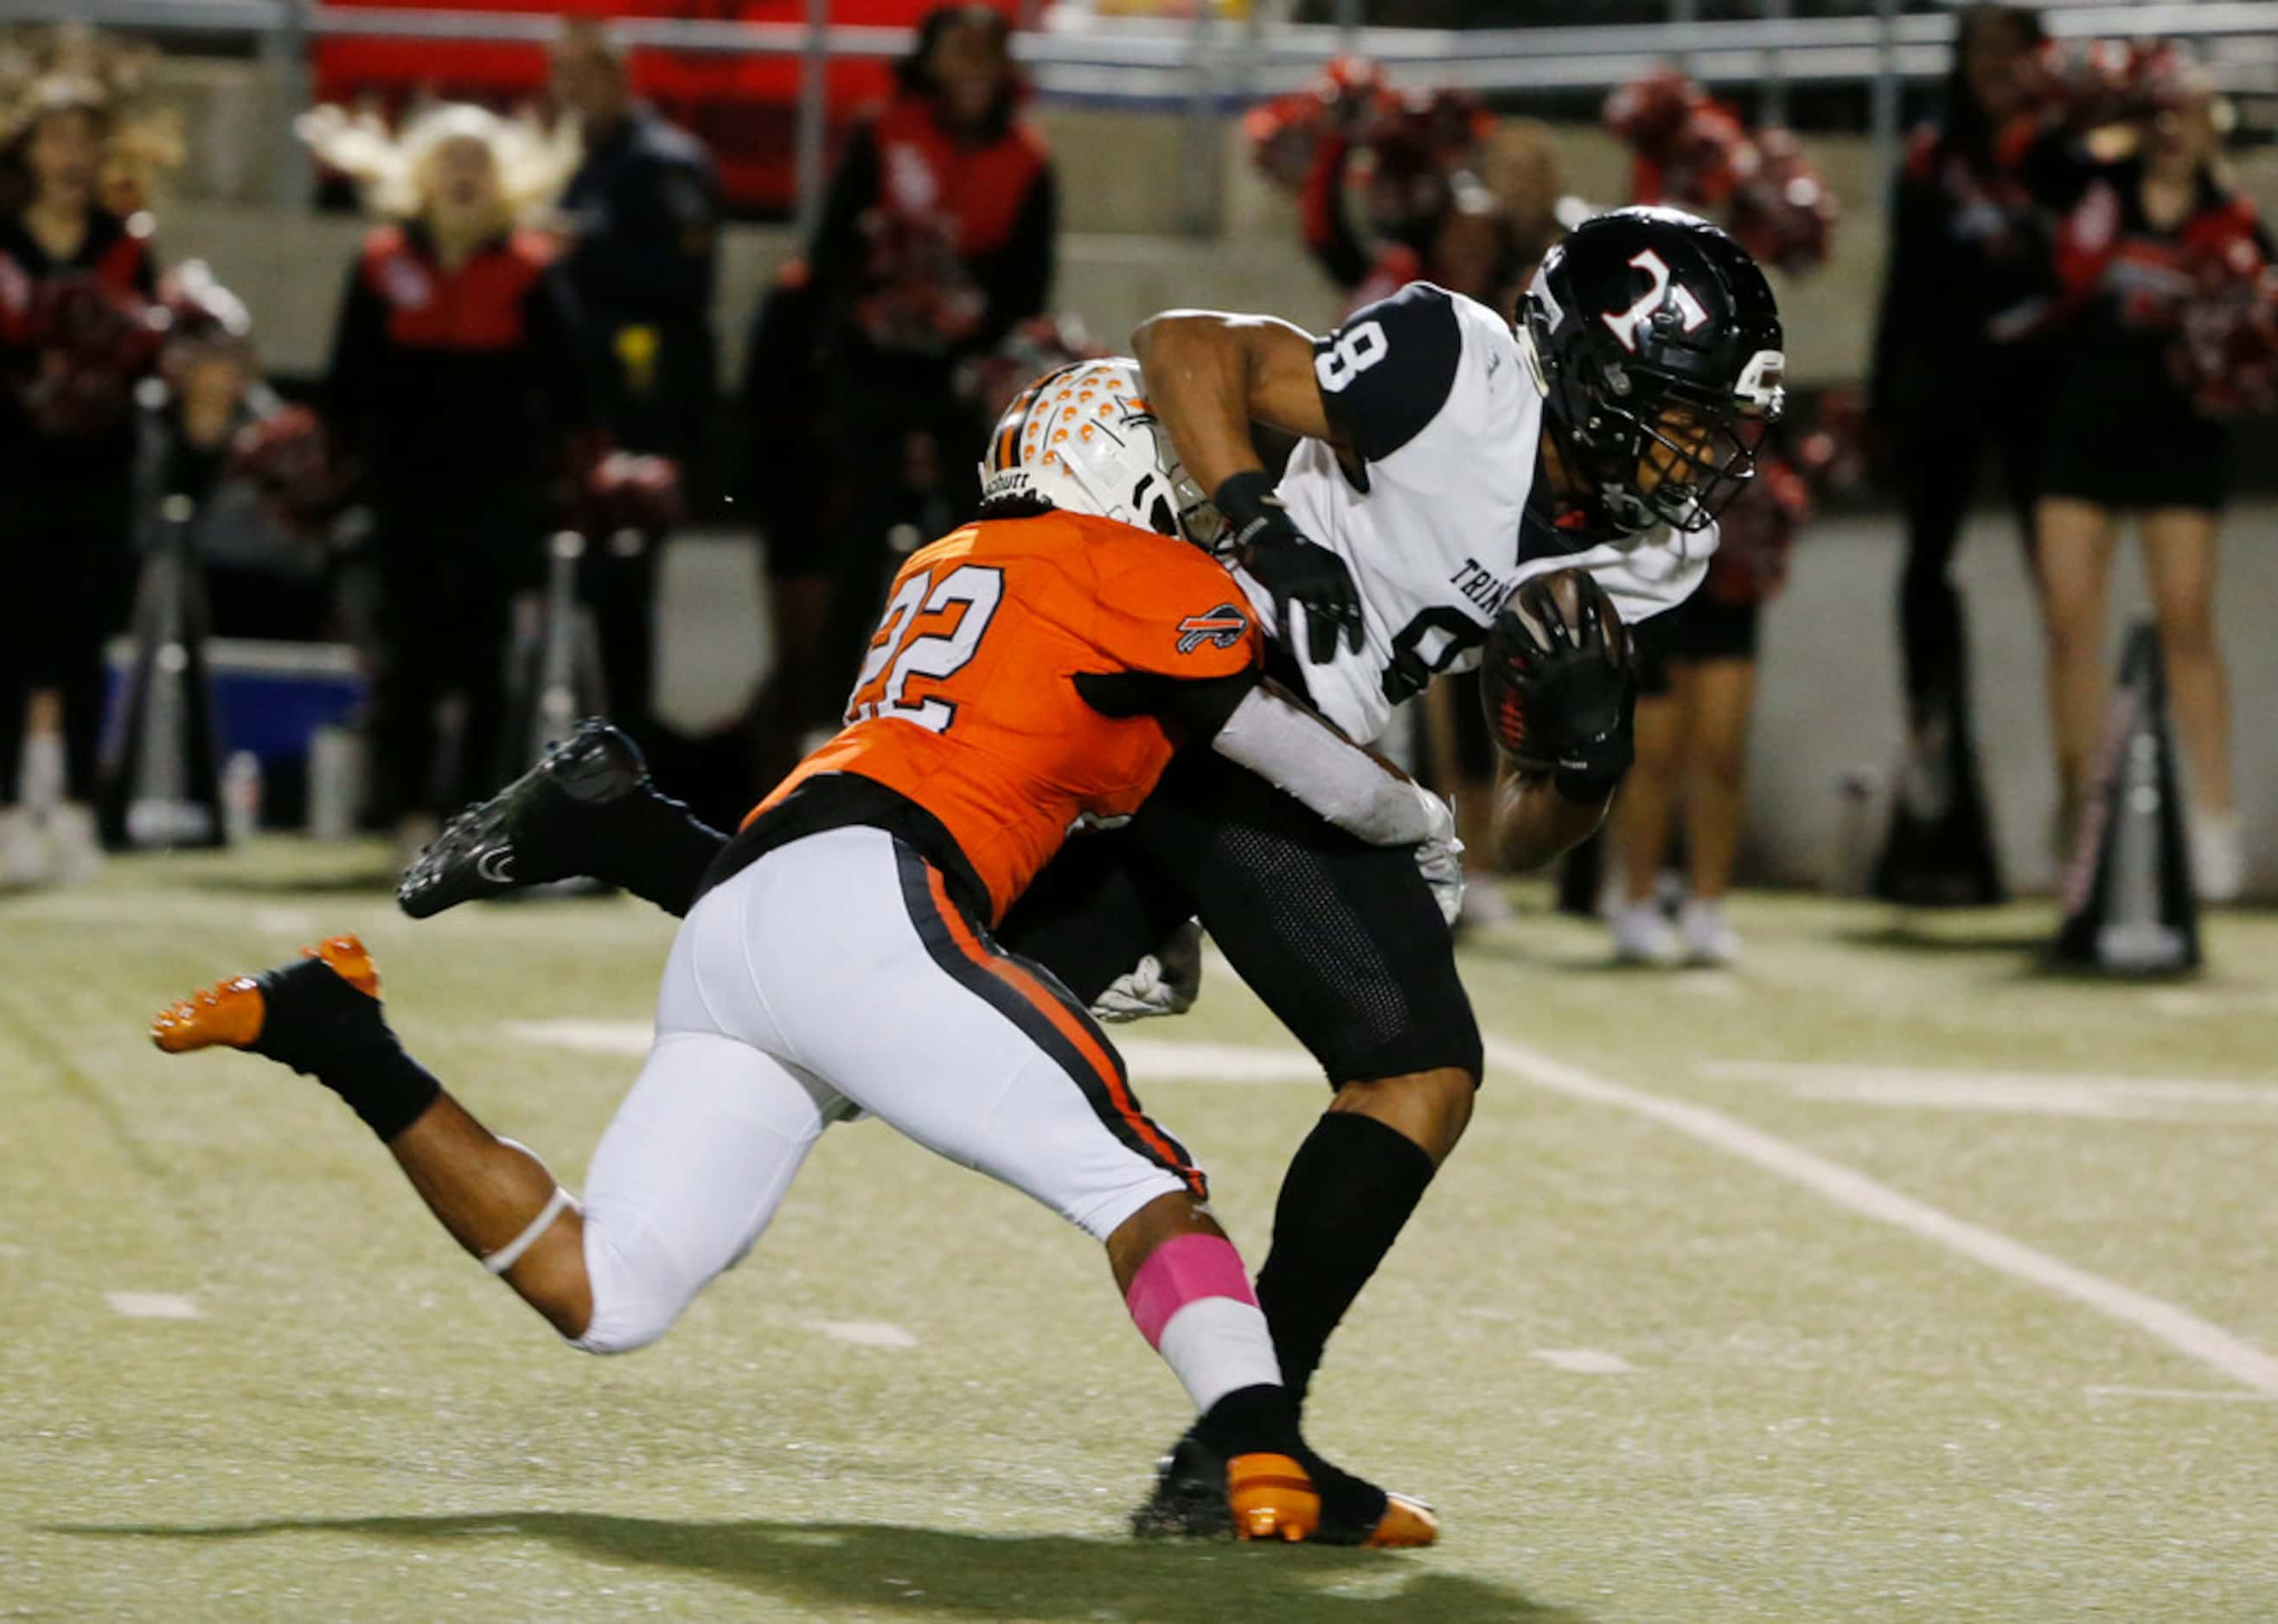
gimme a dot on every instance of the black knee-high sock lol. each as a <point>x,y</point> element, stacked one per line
<point>321,1026</point>
<point>658,850</point>
<point>1350,1188</point>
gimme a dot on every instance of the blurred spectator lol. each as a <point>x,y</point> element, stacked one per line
<point>456,382</point>
<point>1692,151</point>
<point>1961,369</point>
<point>937,238</point>
<point>77,332</point>
<point>216,434</point>
<point>2145,239</point>
<point>1525,172</point>
<point>1415,158</point>
<point>642,214</point>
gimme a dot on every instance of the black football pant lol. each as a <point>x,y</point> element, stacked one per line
<point>1942,462</point>
<point>66,596</point>
<point>443,622</point>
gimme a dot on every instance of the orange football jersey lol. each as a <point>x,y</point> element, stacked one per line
<point>966,701</point>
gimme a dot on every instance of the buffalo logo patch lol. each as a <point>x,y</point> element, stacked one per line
<point>1222,627</point>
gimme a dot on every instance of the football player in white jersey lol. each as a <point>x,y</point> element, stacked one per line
<point>1447,463</point>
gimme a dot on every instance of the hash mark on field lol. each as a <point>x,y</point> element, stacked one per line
<point>1586,1360</point>
<point>629,1039</point>
<point>864,1333</point>
<point>2177,1326</point>
<point>153,1305</point>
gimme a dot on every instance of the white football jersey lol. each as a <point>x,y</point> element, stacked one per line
<point>1435,396</point>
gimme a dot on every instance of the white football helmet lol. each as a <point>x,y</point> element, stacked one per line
<point>1084,439</point>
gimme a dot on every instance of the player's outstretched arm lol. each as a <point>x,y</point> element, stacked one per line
<point>1261,726</point>
<point>1297,750</point>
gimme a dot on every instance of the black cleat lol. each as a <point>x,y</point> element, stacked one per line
<point>546,825</point>
<point>1189,1501</point>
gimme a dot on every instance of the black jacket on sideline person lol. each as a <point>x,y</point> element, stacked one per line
<point>642,259</point>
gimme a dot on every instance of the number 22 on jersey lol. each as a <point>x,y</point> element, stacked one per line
<point>931,632</point>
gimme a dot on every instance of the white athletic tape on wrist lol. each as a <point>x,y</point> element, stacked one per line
<point>508,1256</point>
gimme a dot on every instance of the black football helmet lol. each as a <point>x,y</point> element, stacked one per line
<point>1657,344</point>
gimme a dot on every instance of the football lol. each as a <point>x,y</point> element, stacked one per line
<point>1564,591</point>
<point>1517,670</point>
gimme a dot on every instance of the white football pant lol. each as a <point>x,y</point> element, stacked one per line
<point>834,973</point>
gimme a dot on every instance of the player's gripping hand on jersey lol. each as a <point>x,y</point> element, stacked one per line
<point>1293,570</point>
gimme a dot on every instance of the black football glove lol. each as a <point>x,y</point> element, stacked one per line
<point>1567,706</point>
<point>1291,567</point>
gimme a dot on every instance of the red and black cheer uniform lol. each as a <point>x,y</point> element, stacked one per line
<point>452,394</point>
<point>933,244</point>
<point>2123,432</point>
<point>66,479</point>
<point>1366,275</point>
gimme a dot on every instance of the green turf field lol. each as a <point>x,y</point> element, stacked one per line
<point>1882,1280</point>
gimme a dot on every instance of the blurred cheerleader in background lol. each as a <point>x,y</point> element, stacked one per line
<point>2169,277</point>
<point>1420,161</point>
<point>79,329</point>
<point>456,394</point>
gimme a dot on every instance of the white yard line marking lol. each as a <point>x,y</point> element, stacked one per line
<point>864,1333</point>
<point>1584,1360</point>
<point>2178,1327</point>
<point>1939,1083</point>
<point>2180,1392</point>
<point>153,1305</point>
<point>1153,1060</point>
<point>2049,1094</point>
<point>2195,1002</point>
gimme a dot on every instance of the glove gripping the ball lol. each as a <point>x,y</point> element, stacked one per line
<point>1560,686</point>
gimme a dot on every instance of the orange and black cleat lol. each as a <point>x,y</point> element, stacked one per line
<point>1272,1496</point>
<point>231,1013</point>
<point>1275,1497</point>
<point>1202,1493</point>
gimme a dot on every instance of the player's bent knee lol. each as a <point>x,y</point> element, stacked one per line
<point>1432,1107</point>
<point>637,1292</point>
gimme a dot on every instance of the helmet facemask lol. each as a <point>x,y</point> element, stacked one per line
<point>1657,447</point>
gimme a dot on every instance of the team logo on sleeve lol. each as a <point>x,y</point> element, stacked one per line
<point>1222,627</point>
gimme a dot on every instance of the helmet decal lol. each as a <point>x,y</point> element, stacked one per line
<point>1625,323</point>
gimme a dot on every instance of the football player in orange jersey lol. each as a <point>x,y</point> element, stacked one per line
<point>1030,673</point>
